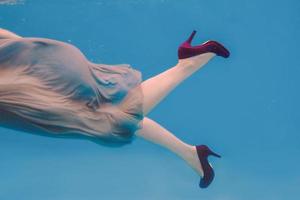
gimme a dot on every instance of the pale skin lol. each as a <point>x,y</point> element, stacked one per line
<point>155,89</point>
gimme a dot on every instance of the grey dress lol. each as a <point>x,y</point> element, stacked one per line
<point>52,85</point>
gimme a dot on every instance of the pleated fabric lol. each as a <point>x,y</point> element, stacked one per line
<point>52,85</point>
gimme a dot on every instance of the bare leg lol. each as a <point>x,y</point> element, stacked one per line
<point>157,134</point>
<point>158,87</point>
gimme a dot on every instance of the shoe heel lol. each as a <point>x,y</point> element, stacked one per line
<point>214,154</point>
<point>189,40</point>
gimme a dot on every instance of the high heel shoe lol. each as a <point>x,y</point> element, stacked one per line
<point>208,173</point>
<point>185,50</point>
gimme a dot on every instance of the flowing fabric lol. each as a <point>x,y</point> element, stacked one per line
<point>52,85</point>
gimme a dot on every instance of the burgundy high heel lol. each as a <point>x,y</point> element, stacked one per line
<point>185,50</point>
<point>203,152</point>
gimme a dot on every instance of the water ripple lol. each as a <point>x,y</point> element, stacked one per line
<point>11,2</point>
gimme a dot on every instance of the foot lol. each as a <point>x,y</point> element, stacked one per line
<point>186,50</point>
<point>196,62</point>
<point>194,162</point>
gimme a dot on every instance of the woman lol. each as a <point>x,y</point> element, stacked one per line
<point>51,85</point>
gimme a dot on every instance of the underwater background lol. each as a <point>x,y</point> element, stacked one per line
<point>245,107</point>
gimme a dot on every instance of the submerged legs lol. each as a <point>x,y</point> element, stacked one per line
<point>154,132</point>
<point>156,89</point>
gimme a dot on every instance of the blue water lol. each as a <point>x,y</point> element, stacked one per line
<point>246,107</point>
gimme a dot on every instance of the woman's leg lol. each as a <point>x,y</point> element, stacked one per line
<point>157,134</point>
<point>159,86</point>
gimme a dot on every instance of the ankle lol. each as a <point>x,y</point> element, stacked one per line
<point>195,62</point>
<point>185,63</point>
<point>188,153</point>
<point>193,160</point>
